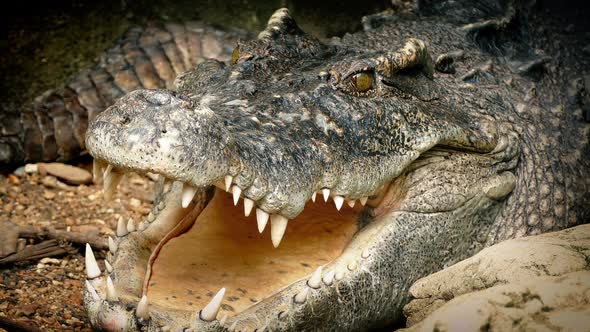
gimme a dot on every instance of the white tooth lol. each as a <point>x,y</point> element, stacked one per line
<point>107,171</point>
<point>112,177</point>
<point>261,219</point>
<point>351,203</point>
<point>352,266</point>
<point>188,192</point>
<point>364,200</point>
<point>111,292</point>
<point>228,180</point>
<point>130,225</point>
<point>92,269</point>
<point>141,226</point>
<point>315,279</point>
<point>142,308</point>
<point>339,275</point>
<point>97,171</point>
<point>222,320</point>
<point>236,191</point>
<point>150,217</point>
<point>278,225</point>
<point>121,227</point>
<point>338,200</point>
<point>112,245</point>
<point>365,253</point>
<point>232,327</point>
<point>165,328</point>
<point>209,313</point>
<point>313,196</point>
<point>301,296</point>
<point>248,205</point>
<point>329,277</point>
<point>92,291</point>
<point>326,193</point>
<point>108,266</point>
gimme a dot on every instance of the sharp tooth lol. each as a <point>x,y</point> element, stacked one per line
<point>92,269</point>
<point>130,225</point>
<point>141,226</point>
<point>222,320</point>
<point>112,245</point>
<point>232,327</point>
<point>339,275</point>
<point>111,292</point>
<point>301,296</point>
<point>92,291</point>
<point>326,193</point>
<point>151,217</point>
<point>351,203</point>
<point>313,196</point>
<point>209,313</point>
<point>365,253</point>
<point>236,191</point>
<point>352,266</point>
<point>329,277</point>
<point>188,192</point>
<point>278,225</point>
<point>112,177</point>
<point>228,180</point>
<point>248,205</point>
<point>338,200</point>
<point>108,266</point>
<point>107,171</point>
<point>364,200</point>
<point>261,219</point>
<point>142,308</point>
<point>97,171</point>
<point>121,227</point>
<point>316,278</point>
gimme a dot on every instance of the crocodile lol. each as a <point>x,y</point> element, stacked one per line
<point>435,161</point>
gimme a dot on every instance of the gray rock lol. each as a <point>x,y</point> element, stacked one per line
<point>535,283</point>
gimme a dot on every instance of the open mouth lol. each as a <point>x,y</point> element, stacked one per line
<point>211,254</point>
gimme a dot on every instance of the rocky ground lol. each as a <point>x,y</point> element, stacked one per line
<point>46,294</point>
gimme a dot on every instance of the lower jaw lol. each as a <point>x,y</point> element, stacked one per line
<point>224,249</point>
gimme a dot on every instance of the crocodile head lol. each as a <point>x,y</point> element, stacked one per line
<point>407,174</point>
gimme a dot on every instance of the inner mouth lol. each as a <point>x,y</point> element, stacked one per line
<point>203,242</point>
<point>224,248</point>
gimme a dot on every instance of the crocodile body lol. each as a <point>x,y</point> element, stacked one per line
<point>491,145</point>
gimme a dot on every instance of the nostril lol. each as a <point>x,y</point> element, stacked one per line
<point>157,97</point>
<point>126,120</point>
<point>163,131</point>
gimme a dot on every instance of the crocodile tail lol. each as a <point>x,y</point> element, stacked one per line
<point>53,127</point>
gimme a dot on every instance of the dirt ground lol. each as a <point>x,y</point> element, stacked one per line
<point>47,294</point>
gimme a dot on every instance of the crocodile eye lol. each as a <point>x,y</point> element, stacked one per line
<point>235,55</point>
<point>362,82</point>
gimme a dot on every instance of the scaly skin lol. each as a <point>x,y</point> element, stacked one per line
<point>54,126</point>
<point>466,160</point>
